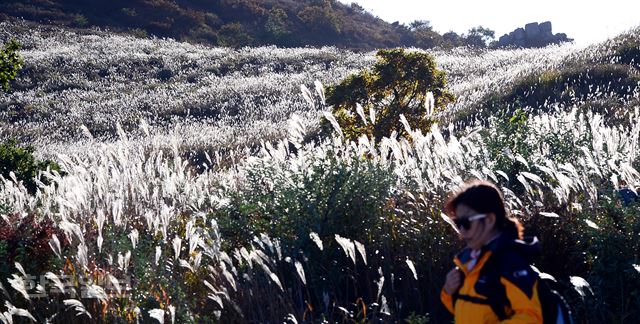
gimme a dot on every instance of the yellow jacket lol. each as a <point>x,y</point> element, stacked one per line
<point>470,304</point>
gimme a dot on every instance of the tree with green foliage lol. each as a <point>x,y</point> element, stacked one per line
<point>424,35</point>
<point>234,35</point>
<point>320,19</point>
<point>355,7</point>
<point>10,63</point>
<point>276,25</point>
<point>451,39</point>
<point>80,21</point>
<point>479,36</point>
<point>399,83</point>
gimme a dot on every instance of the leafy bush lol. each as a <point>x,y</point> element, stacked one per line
<point>509,144</point>
<point>80,21</point>
<point>399,83</point>
<point>21,162</point>
<point>352,199</point>
<point>10,63</point>
<point>156,275</point>
<point>26,240</point>
<point>276,26</point>
<point>479,36</point>
<point>321,20</point>
<point>331,197</point>
<point>612,255</point>
<point>139,32</point>
<point>234,35</point>
<point>596,244</point>
<point>424,35</point>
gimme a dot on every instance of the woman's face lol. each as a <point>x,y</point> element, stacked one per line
<point>479,232</point>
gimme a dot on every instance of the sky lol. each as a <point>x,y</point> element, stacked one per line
<point>586,22</point>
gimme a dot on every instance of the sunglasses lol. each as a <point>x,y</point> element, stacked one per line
<point>465,223</point>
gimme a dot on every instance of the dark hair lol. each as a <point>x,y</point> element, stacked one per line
<point>485,197</point>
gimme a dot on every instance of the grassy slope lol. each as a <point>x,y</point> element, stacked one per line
<point>165,82</point>
<point>96,79</point>
<point>604,77</point>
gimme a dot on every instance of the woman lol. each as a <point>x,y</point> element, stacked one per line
<point>493,280</point>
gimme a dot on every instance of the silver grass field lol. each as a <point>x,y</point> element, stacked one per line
<point>141,225</point>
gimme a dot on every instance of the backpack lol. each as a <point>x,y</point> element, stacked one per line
<point>555,309</point>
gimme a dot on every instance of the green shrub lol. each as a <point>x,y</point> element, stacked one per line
<point>508,139</point>
<point>320,20</point>
<point>612,250</point>
<point>156,284</point>
<point>10,63</point>
<point>23,164</point>
<point>353,199</point>
<point>139,32</point>
<point>80,21</point>
<point>333,197</point>
<point>603,253</point>
<point>276,25</point>
<point>234,35</point>
<point>398,84</point>
<point>130,12</point>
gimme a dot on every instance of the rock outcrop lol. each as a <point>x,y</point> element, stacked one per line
<point>532,35</point>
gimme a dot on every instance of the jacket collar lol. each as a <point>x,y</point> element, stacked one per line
<point>529,247</point>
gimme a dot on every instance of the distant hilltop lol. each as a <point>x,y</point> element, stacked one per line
<point>238,23</point>
<point>532,35</point>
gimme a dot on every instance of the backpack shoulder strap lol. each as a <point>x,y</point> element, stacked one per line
<point>495,290</point>
<point>511,266</point>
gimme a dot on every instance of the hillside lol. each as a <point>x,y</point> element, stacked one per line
<point>223,22</point>
<point>237,23</point>
<point>95,79</point>
<point>251,93</point>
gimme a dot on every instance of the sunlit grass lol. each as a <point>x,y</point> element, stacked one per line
<point>334,229</point>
